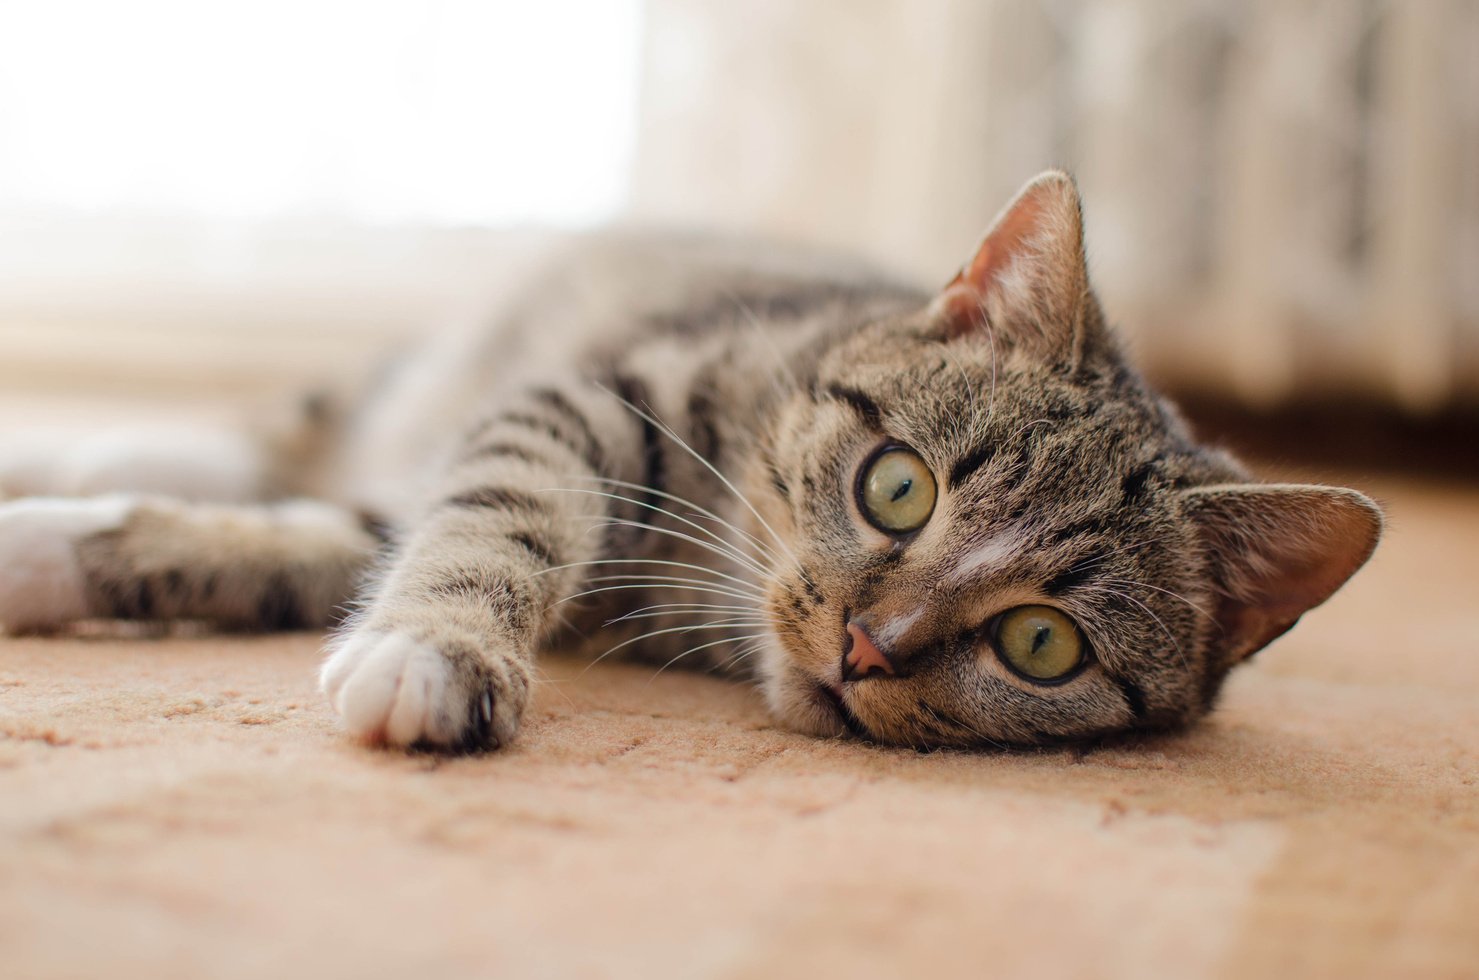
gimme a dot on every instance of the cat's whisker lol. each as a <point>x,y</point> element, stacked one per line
<point>765,550</point>
<point>755,646</point>
<point>717,545</point>
<point>665,581</point>
<point>656,633</point>
<point>544,679</point>
<point>744,652</point>
<point>767,553</point>
<point>705,646</point>
<point>620,588</point>
<point>720,540</point>
<point>732,622</point>
<point>659,610</point>
<point>724,550</point>
<point>739,582</point>
<point>706,624</point>
<point>683,605</point>
<point>739,559</point>
<point>663,427</point>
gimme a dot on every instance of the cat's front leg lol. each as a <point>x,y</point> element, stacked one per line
<point>443,654</point>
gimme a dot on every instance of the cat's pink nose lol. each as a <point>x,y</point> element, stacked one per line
<point>863,658</point>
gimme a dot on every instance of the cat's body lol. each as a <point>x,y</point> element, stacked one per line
<point>959,519</point>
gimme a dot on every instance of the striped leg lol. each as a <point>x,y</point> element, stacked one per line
<point>443,655</point>
<point>260,566</point>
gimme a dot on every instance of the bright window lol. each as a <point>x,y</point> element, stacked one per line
<point>437,111</point>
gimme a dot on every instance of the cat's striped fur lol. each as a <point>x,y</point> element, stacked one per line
<point>654,448</point>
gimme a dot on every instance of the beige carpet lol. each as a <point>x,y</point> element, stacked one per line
<point>184,808</point>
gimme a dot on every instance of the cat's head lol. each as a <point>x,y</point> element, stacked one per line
<point>996,534</point>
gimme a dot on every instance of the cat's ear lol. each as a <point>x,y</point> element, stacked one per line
<point>1276,551</point>
<point>1027,283</point>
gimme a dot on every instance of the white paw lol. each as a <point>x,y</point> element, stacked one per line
<point>41,582</point>
<point>392,688</point>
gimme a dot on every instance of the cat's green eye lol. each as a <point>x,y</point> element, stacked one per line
<point>1039,642</point>
<point>897,491</point>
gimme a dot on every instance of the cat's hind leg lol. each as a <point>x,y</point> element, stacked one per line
<point>259,566</point>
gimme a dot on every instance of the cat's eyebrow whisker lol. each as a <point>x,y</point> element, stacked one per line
<point>741,583</point>
<point>734,556</point>
<point>663,427</point>
<point>965,379</point>
<point>765,550</point>
<point>721,541</point>
<point>1174,595</point>
<point>991,340</point>
<point>1100,557</point>
<point>1029,425</point>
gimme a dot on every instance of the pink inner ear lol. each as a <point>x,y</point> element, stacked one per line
<point>1004,242</point>
<point>1304,572</point>
<point>1283,550</point>
<point>963,298</point>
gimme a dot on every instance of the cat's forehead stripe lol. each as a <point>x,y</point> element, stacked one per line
<point>993,552</point>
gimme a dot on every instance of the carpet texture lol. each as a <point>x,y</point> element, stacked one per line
<point>185,808</point>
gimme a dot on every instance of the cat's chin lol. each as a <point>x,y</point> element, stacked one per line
<point>804,704</point>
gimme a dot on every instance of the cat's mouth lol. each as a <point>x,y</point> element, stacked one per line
<point>829,696</point>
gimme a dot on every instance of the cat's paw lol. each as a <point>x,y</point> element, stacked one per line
<point>42,584</point>
<point>391,688</point>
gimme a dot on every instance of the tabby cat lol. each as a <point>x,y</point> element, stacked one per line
<point>953,519</point>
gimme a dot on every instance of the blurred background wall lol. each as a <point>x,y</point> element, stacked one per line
<point>1283,195</point>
